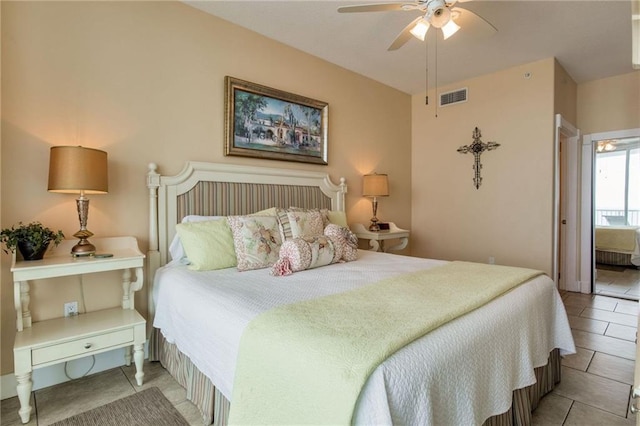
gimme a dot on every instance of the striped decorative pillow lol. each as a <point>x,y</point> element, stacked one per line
<point>294,223</point>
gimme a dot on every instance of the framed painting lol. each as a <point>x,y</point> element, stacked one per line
<point>262,122</point>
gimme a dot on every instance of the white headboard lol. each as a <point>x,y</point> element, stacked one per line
<point>165,191</point>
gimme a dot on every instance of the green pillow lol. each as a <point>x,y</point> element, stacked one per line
<point>267,212</point>
<point>208,245</point>
<point>338,217</point>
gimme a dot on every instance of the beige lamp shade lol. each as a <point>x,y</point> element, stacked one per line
<point>375,185</point>
<point>73,169</point>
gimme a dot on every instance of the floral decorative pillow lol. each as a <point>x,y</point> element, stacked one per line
<point>337,217</point>
<point>295,223</point>
<point>297,254</point>
<point>256,239</point>
<point>345,242</point>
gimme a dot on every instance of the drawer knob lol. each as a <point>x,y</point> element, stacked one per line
<point>635,393</point>
<point>87,345</point>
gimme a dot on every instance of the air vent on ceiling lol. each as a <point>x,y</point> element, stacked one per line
<point>454,97</point>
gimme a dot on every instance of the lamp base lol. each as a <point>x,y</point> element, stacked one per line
<point>374,227</point>
<point>83,248</point>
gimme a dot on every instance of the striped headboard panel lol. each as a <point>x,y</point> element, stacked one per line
<point>230,198</point>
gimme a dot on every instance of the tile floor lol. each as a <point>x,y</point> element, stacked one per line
<point>597,380</point>
<point>618,282</point>
<point>595,386</point>
<point>61,401</point>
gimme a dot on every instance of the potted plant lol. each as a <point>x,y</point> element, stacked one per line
<point>32,240</point>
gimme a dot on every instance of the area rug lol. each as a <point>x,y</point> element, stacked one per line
<point>148,407</point>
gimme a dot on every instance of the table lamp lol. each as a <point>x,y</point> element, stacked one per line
<point>79,170</point>
<point>375,185</point>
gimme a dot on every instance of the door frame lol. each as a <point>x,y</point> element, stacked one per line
<point>587,230</point>
<point>567,248</point>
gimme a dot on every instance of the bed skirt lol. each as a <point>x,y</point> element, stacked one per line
<point>215,407</point>
<point>613,258</point>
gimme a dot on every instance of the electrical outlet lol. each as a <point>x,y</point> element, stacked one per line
<point>492,260</point>
<point>70,309</point>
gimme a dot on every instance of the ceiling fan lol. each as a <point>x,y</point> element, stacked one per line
<point>435,13</point>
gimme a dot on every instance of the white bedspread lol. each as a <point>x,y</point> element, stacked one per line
<point>447,377</point>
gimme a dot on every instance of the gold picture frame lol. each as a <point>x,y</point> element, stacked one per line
<point>263,122</point>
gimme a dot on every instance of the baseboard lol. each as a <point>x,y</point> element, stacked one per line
<point>55,374</point>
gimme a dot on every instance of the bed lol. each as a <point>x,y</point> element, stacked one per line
<point>491,365</point>
<point>618,245</point>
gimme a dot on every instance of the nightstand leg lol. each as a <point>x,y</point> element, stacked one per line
<point>138,357</point>
<point>24,395</point>
<point>127,355</point>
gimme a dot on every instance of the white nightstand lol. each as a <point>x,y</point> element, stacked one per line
<point>377,239</point>
<point>50,342</point>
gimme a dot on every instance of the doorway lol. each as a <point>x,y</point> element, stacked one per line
<point>611,212</point>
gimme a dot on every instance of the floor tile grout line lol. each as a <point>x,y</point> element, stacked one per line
<point>611,312</point>
<point>566,416</point>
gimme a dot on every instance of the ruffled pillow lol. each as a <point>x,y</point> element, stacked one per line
<point>345,242</point>
<point>256,240</point>
<point>297,254</point>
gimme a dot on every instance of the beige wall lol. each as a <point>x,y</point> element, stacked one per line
<point>510,216</point>
<point>565,94</point>
<point>144,81</point>
<point>609,104</point>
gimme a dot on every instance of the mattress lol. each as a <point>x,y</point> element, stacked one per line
<point>463,372</point>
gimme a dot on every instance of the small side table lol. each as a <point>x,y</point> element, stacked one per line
<point>377,239</point>
<point>44,343</point>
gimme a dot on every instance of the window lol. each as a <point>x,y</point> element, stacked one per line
<point>617,182</point>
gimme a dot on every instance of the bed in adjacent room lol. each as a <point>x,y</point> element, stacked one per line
<point>618,245</point>
<point>266,331</point>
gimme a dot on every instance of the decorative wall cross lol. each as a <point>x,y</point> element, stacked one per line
<point>477,148</point>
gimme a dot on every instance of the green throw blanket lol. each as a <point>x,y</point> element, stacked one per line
<point>307,362</point>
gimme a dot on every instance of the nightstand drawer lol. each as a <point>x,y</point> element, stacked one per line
<point>81,346</point>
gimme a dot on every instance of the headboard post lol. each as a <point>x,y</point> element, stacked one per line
<point>343,191</point>
<point>153,254</point>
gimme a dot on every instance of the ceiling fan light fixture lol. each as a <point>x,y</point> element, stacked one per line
<point>606,146</point>
<point>449,29</point>
<point>439,16</point>
<point>419,31</point>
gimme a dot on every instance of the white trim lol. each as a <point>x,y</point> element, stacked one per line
<point>569,247</point>
<point>54,374</point>
<point>587,262</point>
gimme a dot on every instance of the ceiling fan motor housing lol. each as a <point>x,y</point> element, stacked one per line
<point>438,14</point>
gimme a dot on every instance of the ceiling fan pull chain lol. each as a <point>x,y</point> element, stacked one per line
<point>426,72</point>
<point>436,92</point>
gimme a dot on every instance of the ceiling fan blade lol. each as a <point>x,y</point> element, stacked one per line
<point>469,19</point>
<point>380,7</point>
<point>404,36</point>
